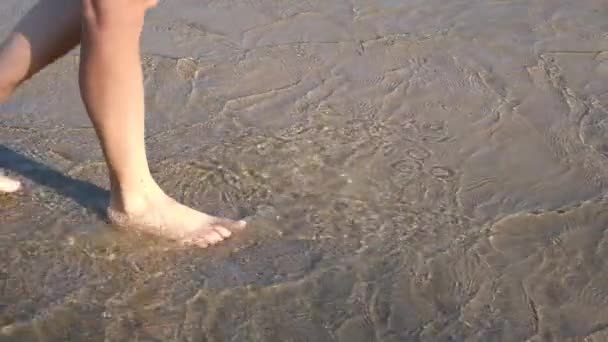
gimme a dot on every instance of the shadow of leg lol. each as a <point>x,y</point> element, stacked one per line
<point>84,193</point>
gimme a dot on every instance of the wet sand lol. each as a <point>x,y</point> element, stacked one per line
<point>418,170</point>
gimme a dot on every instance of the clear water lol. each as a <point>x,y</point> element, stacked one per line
<point>412,170</point>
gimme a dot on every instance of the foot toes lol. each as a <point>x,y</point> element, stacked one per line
<point>202,243</point>
<point>229,224</point>
<point>225,233</point>
<point>213,237</point>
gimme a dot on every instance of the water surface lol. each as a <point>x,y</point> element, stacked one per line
<point>417,170</point>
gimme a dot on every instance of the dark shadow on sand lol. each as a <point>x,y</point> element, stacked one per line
<point>84,193</point>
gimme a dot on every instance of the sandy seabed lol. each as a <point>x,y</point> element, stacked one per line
<point>418,170</point>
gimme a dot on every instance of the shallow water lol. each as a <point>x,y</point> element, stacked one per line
<point>412,170</point>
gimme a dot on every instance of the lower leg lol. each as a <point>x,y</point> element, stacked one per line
<point>49,30</point>
<point>112,90</point>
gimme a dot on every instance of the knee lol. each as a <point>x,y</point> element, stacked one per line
<point>115,14</point>
<point>14,66</point>
<point>10,81</point>
<point>6,92</point>
<point>151,3</point>
<point>7,86</point>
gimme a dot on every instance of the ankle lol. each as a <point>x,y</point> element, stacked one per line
<point>132,200</point>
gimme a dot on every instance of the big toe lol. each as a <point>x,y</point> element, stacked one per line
<point>225,233</point>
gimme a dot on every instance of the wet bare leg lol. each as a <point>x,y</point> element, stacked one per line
<point>51,29</point>
<point>111,83</point>
<point>48,31</point>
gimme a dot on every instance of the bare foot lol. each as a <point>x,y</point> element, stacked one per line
<point>8,184</point>
<point>161,215</point>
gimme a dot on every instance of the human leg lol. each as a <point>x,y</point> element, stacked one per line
<point>48,31</point>
<point>111,84</point>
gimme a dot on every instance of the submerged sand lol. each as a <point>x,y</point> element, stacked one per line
<point>419,170</point>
